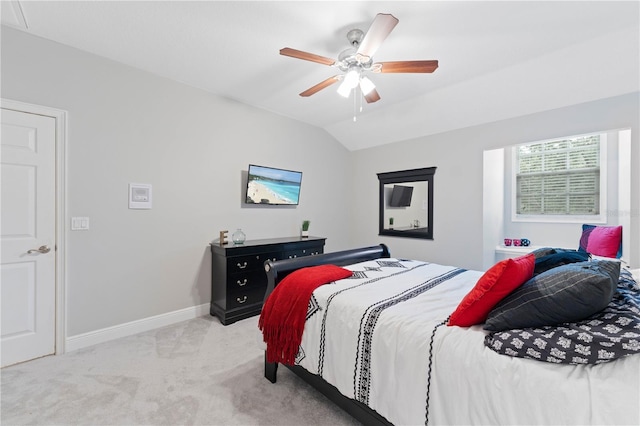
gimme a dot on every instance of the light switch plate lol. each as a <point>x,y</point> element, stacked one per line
<point>79,223</point>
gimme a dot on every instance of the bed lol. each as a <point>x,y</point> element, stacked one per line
<point>378,345</point>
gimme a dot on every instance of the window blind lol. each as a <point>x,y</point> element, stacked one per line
<point>560,177</point>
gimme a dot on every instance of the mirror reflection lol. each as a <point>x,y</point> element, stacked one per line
<point>406,203</point>
<point>406,206</point>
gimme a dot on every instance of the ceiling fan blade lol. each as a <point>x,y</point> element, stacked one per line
<point>318,87</point>
<point>372,96</point>
<point>408,66</point>
<point>380,28</point>
<point>299,54</point>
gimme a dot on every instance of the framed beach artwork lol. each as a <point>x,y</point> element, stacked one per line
<point>273,186</point>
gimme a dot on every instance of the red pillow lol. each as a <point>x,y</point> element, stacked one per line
<point>498,282</point>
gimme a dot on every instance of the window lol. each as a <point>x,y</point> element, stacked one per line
<point>560,178</point>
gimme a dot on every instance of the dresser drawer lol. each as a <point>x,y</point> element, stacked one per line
<point>310,251</point>
<point>238,264</point>
<point>245,298</point>
<point>246,280</point>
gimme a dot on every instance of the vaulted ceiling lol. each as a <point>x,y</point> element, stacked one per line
<point>497,59</point>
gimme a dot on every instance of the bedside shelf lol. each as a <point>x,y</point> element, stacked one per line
<point>504,252</point>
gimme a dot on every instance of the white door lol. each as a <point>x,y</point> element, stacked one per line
<point>27,229</point>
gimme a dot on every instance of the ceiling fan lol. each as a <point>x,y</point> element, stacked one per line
<point>355,61</point>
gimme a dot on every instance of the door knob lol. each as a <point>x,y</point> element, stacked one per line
<point>41,249</point>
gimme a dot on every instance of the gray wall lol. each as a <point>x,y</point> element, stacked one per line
<point>125,125</point>
<point>458,182</point>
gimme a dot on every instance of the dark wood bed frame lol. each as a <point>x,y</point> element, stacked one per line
<point>276,271</point>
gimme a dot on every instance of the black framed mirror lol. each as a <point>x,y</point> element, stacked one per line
<point>406,203</point>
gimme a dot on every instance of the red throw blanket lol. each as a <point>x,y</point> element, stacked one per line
<point>285,310</point>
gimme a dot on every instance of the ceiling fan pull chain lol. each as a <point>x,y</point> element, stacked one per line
<point>355,103</point>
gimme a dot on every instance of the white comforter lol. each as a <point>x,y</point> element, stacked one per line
<point>371,337</point>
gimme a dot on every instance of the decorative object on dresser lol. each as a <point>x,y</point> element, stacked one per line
<point>305,228</point>
<point>238,237</point>
<point>238,278</point>
<point>223,238</point>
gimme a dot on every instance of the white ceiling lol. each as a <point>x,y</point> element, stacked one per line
<point>497,59</point>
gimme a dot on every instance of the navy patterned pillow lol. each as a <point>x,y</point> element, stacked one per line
<point>566,293</point>
<point>543,251</point>
<point>558,257</point>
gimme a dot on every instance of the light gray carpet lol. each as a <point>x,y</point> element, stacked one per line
<point>197,372</point>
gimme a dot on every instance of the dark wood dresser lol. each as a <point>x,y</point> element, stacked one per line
<point>238,278</point>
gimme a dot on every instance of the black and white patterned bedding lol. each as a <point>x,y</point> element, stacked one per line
<point>610,334</point>
<point>362,332</point>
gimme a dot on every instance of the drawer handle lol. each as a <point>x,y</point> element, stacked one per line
<point>244,299</point>
<point>242,266</point>
<point>293,256</point>
<point>242,283</point>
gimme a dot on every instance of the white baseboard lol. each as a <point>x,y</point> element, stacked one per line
<point>134,327</point>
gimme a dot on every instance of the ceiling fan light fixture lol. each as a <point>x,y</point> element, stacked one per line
<point>366,85</point>
<point>344,90</point>
<point>351,79</point>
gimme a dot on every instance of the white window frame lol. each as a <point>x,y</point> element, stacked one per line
<point>600,218</point>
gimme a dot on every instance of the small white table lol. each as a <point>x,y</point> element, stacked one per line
<point>509,252</point>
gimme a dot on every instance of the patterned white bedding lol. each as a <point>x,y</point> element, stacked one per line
<point>379,338</point>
